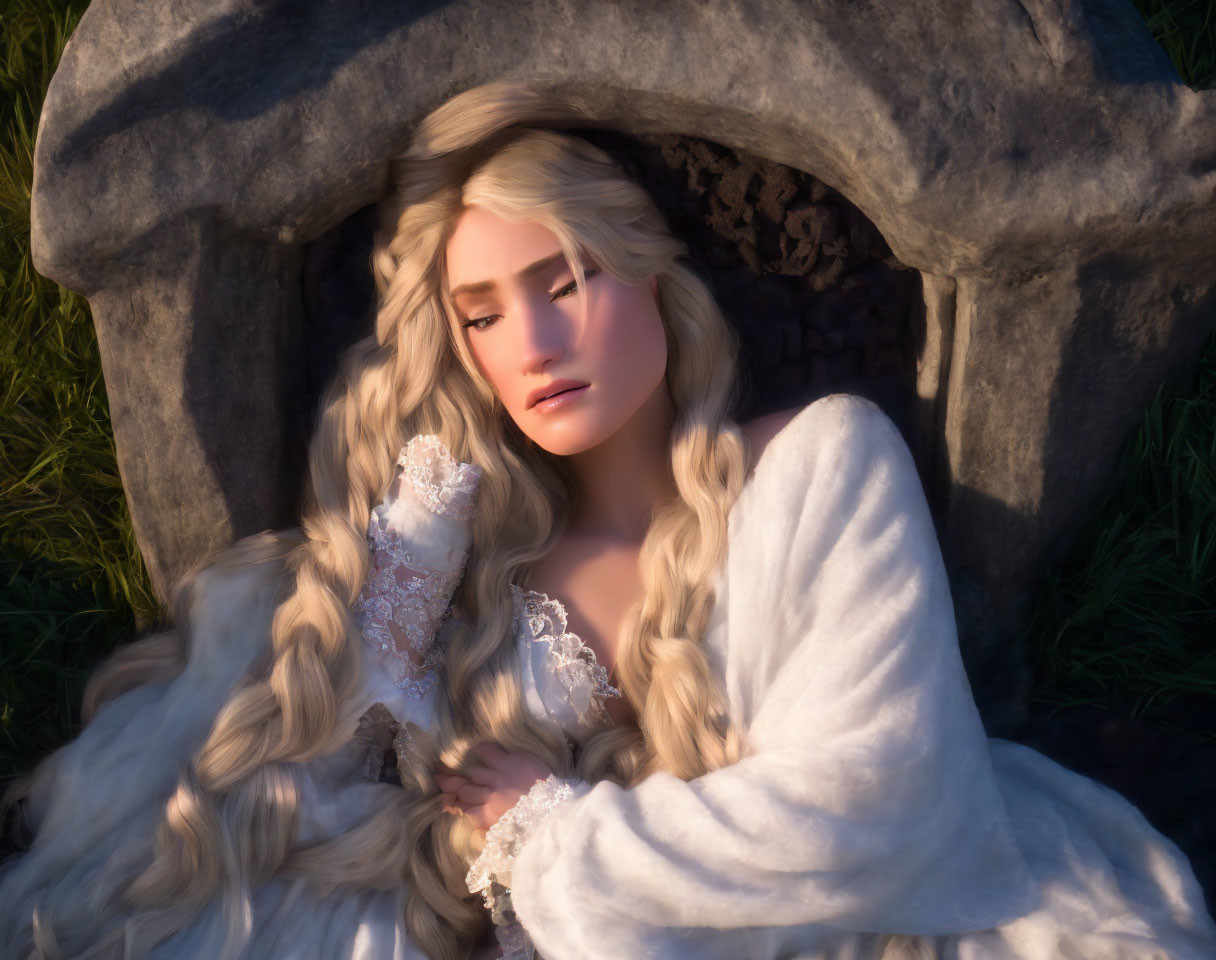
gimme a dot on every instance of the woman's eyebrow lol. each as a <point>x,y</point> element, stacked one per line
<point>483,286</point>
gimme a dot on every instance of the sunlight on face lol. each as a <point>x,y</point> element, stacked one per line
<point>523,325</point>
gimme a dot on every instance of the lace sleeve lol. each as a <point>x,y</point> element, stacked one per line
<point>490,873</point>
<point>418,538</point>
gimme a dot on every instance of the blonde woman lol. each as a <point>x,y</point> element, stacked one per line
<point>662,685</point>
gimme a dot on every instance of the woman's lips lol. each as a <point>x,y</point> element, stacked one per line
<point>560,399</point>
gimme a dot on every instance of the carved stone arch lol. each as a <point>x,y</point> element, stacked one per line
<point>1040,164</point>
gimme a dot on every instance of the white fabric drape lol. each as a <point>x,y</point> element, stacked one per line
<point>868,801</point>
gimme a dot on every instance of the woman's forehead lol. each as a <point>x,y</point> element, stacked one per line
<point>484,248</point>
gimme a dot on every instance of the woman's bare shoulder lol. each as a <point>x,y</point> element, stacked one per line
<point>760,431</point>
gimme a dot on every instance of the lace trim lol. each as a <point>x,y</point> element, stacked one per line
<point>514,828</point>
<point>446,486</point>
<point>399,610</point>
<point>571,660</point>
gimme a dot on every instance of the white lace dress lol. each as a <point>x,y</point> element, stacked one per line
<point>402,614</point>
<point>97,800</point>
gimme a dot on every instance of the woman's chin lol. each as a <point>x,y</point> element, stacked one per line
<point>567,439</point>
<point>564,447</point>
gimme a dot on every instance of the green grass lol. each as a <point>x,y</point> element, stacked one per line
<point>1186,30</point>
<point>1127,620</point>
<point>72,582</point>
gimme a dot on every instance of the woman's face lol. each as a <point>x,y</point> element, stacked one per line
<point>522,323</point>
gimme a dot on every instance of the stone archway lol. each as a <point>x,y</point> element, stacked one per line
<point>1040,164</point>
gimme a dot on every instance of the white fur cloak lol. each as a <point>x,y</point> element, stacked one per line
<point>871,800</point>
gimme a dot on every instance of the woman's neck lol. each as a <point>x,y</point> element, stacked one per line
<point>624,479</point>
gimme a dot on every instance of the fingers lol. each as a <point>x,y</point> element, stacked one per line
<point>455,806</point>
<point>477,813</point>
<point>472,793</point>
<point>460,794</point>
<point>489,754</point>
<point>455,783</point>
<point>484,776</point>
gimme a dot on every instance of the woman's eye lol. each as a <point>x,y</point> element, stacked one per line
<point>572,286</point>
<point>484,323</point>
<point>475,323</point>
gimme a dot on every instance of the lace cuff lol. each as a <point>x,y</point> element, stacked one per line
<point>514,828</point>
<point>418,539</point>
<point>447,487</point>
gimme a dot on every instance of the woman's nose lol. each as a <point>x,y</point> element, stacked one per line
<point>542,335</point>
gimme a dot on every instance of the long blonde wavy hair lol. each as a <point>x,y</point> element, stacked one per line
<point>232,819</point>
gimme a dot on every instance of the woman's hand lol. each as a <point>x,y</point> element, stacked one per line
<point>496,779</point>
